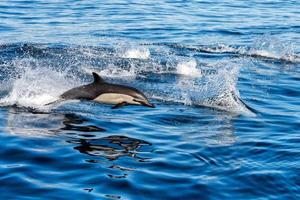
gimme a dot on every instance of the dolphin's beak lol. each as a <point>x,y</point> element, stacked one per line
<point>145,103</point>
<point>148,104</point>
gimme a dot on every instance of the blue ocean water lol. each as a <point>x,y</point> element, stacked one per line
<point>224,76</point>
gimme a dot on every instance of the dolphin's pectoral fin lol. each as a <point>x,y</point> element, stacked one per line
<point>119,105</point>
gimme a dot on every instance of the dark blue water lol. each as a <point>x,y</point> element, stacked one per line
<point>224,76</point>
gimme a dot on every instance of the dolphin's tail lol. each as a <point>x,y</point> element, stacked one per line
<point>54,102</point>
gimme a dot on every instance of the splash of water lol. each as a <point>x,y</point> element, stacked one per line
<point>135,52</point>
<point>36,87</point>
<point>188,68</point>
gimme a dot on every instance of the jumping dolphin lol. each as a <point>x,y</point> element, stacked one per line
<point>103,92</point>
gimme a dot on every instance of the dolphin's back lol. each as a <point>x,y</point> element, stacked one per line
<point>88,92</point>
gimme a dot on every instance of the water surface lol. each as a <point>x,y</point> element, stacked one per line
<point>224,77</point>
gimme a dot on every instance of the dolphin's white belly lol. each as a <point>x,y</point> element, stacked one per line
<point>114,98</point>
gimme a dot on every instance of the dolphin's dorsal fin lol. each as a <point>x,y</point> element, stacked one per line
<point>97,78</point>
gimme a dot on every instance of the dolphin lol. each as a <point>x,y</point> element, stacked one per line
<point>108,93</point>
